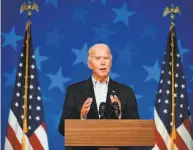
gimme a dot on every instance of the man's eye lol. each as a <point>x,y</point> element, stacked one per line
<point>106,57</point>
<point>97,58</point>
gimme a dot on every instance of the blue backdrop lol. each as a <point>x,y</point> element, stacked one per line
<point>63,31</point>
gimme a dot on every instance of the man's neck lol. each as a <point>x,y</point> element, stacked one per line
<point>101,80</point>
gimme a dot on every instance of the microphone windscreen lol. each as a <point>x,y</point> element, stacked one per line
<point>102,108</point>
<point>115,105</point>
<point>115,110</point>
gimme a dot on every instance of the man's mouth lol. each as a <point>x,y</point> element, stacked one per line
<point>102,69</point>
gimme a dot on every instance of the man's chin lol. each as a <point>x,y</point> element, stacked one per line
<point>103,75</point>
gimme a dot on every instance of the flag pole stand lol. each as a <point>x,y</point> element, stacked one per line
<point>172,11</point>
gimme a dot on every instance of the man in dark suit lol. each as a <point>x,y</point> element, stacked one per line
<point>83,98</point>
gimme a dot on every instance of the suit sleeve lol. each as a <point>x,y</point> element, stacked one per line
<point>131,108</point>
<point>69,110</point>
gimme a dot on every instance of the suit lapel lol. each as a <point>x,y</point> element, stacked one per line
<point>108,101</point>
<point>89,92</point>
<point>111,91</point>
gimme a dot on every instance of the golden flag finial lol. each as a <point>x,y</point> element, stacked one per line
<point>172,11</point>
<point>29,7</point>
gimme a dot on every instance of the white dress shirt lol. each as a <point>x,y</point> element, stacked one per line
<point>100,91</point>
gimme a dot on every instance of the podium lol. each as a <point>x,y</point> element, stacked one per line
<point>109,133</point>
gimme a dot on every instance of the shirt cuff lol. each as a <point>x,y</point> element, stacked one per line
<point>83,118</point>
<point>120,115</point>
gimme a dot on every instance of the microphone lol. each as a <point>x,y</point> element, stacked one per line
<point>102,110</point>
<point>115,110</point>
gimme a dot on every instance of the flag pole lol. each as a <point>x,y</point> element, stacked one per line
<point>28,7</point>
<point>173,134</point>
<point>172,11</point>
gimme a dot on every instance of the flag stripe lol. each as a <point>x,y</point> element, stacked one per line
<point>27,144</point>
<point>159,141</point>
<point>187,125</point>
<point>180,143</point>
<point>12,138</point>
<point>35,143</point>
<point>44,126</point>
<point>41,135</point>
<point>184,138</point>
<point>15,126</point>
<point>8,145</point>
<point>155,147</point>
<point>162,130</point>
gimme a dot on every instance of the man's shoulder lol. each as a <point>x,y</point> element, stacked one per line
<point>121,86</point>
<point>77,85</point>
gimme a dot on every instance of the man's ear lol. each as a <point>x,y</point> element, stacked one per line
<point>89,65</point>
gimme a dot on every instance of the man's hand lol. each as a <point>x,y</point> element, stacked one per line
<point>85,107</point>
<point>115,99</point>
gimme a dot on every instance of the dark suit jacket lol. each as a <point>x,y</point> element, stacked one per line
<point>79,92</point>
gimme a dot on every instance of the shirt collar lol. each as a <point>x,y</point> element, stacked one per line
<point>95,82</point>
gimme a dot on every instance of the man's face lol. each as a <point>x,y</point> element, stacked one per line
<point>100,62</point>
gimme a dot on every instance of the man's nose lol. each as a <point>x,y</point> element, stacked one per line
<point>102,62</point>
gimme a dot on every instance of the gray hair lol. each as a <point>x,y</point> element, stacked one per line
<point>95,45</point>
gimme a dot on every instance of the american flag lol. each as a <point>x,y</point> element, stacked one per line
<point>36,136</point>
<point>163,105</point>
